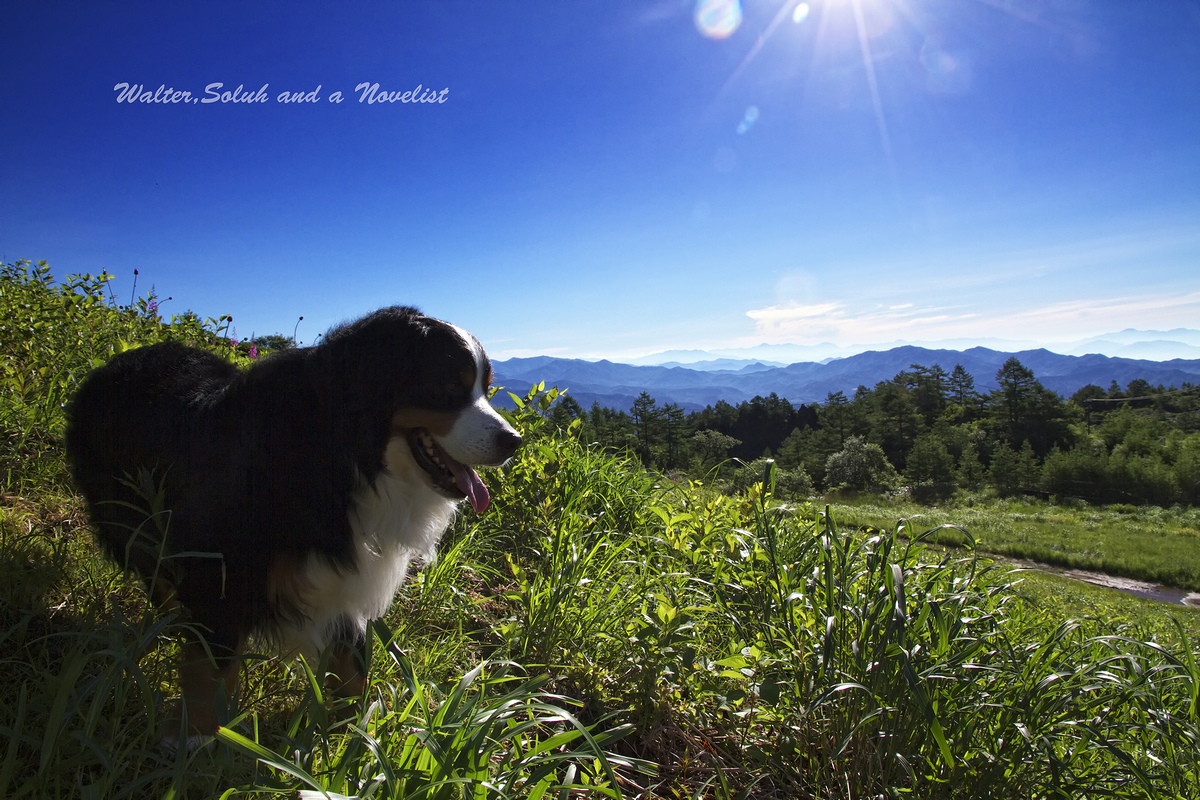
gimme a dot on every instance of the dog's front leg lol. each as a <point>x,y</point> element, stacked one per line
<point>208,679</point>
<point>348,665</point>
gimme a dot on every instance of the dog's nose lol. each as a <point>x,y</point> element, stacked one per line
<point>508,441</point>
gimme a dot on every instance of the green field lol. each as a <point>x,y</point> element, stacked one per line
<point>1143,542</point>
<point>602,631</point>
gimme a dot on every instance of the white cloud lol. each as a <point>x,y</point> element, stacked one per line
<point>1064,320</point>
<point>1071,318</point>
<point>777,315</point>
<point>841,322</point>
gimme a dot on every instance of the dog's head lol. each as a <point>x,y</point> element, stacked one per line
<point>436,376</point>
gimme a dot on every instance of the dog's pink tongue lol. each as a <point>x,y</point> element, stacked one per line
<point>469,483</point>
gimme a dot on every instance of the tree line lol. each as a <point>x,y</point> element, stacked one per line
<point>929,432</point>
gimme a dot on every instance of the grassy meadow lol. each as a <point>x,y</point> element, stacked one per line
<point>602,631</point>
<point>1148,543</point>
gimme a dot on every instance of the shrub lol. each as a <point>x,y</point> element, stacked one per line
<point>793,484</point>
<point>860,466</point>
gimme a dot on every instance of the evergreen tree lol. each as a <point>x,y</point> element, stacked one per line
<point>836,415</point>
<point>961,387</point>
<point>929,462</point>
<point>929,387</point>
<point>1022,410</point>
<point>674,437</point>
<point>760,424</point>
<point>647,419</point>
<point>1086,393</point>
<point>1029,471</point>
<point>808,450</point>
<point>1014,471</point>
<point>609,428</point>
<point>1185,458</point>
<point>274,342</point>
<point>1139,387</point>
<point>895,423</point>
<point>1002,472</point>
<point>566,409</point>
<point>969,472</point>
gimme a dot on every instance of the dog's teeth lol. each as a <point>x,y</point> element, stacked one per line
<point>433,458</point>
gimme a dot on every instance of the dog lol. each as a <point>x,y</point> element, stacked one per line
<point>284,502</point>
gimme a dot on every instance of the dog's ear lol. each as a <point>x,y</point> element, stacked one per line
<point>378,355</point>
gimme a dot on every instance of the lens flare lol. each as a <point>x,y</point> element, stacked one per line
<point>718,19</point>
<point>800,13</point>
<point>748,120</point>
<point>725,161</point>
<point>945,73</point>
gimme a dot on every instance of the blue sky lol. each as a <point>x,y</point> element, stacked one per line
<point>610,179</point>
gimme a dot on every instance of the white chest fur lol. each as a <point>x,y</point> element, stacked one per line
<point>394,521</point>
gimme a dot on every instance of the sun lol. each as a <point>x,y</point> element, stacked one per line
<point>854,23</point>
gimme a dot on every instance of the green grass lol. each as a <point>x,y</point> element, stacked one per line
<point>627,638</point>
<point>603,631</point>
<point>1059,598</point>
<point>1143,542</point>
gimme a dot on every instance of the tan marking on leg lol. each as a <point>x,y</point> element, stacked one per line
<point>288,586</point>
<point>209,691</point>
<point>346,677</point>
<point>163,595</point>
<point>345,681</point>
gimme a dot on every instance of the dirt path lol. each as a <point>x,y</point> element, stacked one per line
<point>1150,591</point>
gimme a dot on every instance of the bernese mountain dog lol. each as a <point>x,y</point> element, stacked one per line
<point>285,501</point>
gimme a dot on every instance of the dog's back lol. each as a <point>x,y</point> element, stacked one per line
<point>137,413</point>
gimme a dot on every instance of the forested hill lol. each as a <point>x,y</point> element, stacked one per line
<point>618,385</point>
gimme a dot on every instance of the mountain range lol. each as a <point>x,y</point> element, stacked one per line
<point>703,383</point>
<point>1128,343</point>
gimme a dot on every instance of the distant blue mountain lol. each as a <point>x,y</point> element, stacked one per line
<point>1128,343</point>
<point>617,385</point>
<point>726,365</point>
